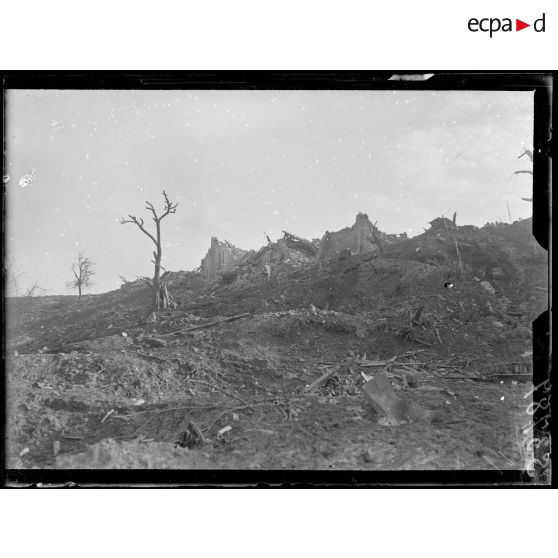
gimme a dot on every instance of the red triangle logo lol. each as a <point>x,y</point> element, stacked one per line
<point>519,25</point>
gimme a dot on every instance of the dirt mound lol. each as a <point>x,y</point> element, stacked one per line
<point>500,252</point>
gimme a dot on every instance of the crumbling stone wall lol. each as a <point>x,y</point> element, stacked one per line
<point>362,237</point>
<point>221,256</point>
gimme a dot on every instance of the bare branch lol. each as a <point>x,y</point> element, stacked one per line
<point>169,207</point>
<point>527,152</point>
<point>149,205</point>
<point>139,222</point>
<point>35,290</point>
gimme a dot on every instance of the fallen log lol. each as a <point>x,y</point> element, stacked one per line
<point>210,324</point>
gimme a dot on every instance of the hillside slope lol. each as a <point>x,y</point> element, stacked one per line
<point>420,306</point>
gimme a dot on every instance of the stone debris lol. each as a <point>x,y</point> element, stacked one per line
<point>488,287</point>
<point>190,437</point>
<point>385,402</point>
<point>221,256</point>
<point>361,238</point>
<point>221,435</point>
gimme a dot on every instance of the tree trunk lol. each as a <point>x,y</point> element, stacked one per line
<point>157,286</point>
<point>157,275</point>
<point>79,293</point>
<point>161,297</point>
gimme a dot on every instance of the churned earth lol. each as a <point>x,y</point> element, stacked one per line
<point>105,384</point>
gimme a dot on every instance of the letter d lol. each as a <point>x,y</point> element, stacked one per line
<point>537,21</point>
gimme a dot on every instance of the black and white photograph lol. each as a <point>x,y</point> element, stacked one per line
<point>273,279</point>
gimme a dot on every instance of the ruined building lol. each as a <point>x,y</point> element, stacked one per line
<point>233,265</point>
<point>441,224</point>
<point>361,238</point>
<point>221,257</point>
<point>289,249</point>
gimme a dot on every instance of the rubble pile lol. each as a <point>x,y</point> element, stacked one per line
<point>361,238</point>
<point>499,252</point>
<point>221,257</point>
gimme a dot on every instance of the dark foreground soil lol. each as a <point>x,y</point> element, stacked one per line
<point>257,368</point>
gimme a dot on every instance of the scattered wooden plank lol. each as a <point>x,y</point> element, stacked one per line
<point>369,363</point>
<point>107,415</point>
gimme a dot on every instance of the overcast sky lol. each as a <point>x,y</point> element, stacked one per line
<point>244,164</point>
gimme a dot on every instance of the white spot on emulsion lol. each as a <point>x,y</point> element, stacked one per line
<point>27,179</point>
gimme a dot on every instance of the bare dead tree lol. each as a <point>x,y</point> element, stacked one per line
<point>35,290</point>
<point>161,297</point>
<point>14,276</point>
<point>83,271</point>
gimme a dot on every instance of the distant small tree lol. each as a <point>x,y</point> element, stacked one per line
<point>83,271</point>
<point>14,276</point>
<point>161,297</point>
<point>35,290</point>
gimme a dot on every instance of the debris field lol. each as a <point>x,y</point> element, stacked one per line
<point>357,351</point>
